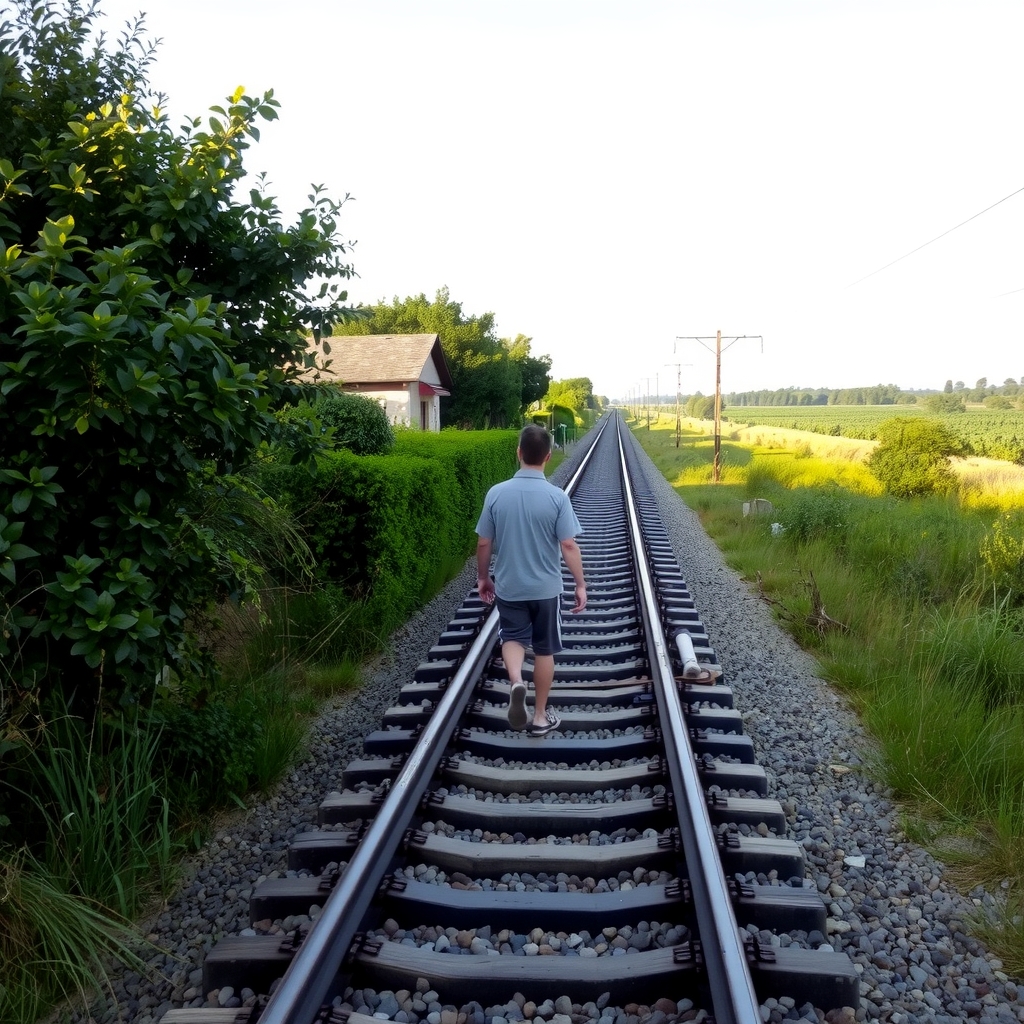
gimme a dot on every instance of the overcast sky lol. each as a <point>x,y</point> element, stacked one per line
<point>608,176</point>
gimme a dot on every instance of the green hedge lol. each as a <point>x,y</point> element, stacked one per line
<point>477,458</point>
<point>390,530</point>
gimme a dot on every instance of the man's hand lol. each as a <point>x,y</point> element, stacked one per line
<point>484,583</point>
<point>581,597</point>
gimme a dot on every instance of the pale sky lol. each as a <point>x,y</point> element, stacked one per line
<point>607,175</point>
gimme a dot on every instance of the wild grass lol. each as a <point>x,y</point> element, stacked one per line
<point>100,790</point>
<point>55,946</point>
<point>932,653</point>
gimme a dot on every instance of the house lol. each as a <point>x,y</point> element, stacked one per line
<point>406,373</point>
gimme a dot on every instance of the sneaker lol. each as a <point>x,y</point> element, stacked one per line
<point>550,725</point>
<point>517,716</point>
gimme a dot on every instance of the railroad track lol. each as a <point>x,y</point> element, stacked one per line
<point>632,859</point>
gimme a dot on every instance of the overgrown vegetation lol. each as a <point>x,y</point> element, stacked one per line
<point>166,625</point>
<point>150,318</point>
<point>928,590</point>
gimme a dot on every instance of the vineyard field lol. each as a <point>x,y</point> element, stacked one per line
<point>985,433</point>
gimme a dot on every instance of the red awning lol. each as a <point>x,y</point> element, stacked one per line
<point>432,389</point>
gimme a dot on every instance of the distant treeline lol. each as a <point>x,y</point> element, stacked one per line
<point>878,394</point>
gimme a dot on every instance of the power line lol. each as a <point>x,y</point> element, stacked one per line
<point>935,239</point>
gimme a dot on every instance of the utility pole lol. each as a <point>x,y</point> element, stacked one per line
<point>647,402</point>
<point>732,339</point>
<point>679,397</point>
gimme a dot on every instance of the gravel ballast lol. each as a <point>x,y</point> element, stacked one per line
<point>889,907</point>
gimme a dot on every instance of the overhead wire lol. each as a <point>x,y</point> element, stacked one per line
<point>936,238</point>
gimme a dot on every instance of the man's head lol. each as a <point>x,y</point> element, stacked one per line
<point>534,445</point>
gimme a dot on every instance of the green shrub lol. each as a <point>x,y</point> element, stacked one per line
<point>809,514</point>
<point>148,308</point>
<point>387,531</point>
<point>209,744</point>
<point>359,423</point>
<point>912,456</point>
<point>1002,552</point>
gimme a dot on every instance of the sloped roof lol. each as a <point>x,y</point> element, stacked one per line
<point>382,358</point>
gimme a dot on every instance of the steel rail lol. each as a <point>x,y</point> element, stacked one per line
<point>312,971</point>
<point>728,971</point>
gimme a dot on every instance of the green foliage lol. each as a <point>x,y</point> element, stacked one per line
<point>1002,552</point>
<point>943,404</point>
<point>912,457</point>
<point>386,531</point>
<point>101,818</point>
<point>535,370</point>
<point>477,459</point>
<point>148,322</point>
<point>346,420</point>
<point>376,525</point>
<point>492,379</point>
<point>820,513</point>
<point>701,407</point>
<point>71,938</point>
<point>977,651</point>
<point>576,393</point>
<point>208,744</point>
<point>359,423</point>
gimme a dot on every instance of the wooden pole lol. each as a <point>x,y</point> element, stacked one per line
<point>718,408</point>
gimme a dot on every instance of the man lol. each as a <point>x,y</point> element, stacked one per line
<point>529,525</point>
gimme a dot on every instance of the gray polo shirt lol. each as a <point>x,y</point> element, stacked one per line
<point>527,518</point>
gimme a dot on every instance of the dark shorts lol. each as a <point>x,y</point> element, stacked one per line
<point>536,624</point>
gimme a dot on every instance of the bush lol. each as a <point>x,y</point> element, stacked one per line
<point>359,423</point>
<point>811,514</point>
<point>387,530</point>
<point>146,321</point>
<point>356,423</point>
<point>1002,552</point>
<point>912,456</point>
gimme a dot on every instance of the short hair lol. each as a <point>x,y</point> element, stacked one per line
<point>534,444</point>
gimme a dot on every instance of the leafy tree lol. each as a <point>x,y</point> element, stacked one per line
<point>948,388</point>
<point>487,374</point>
<point>576,393</point>
<point>912,456</point>
<point>946,403</point>
<point>998,402</point>
<point>534,370</point>
<point>149,321</point>
<point>701,407</point>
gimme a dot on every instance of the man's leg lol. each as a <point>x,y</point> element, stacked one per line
<point>543,677</point>
<point>513,654</point>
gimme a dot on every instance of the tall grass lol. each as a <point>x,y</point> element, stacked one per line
<point>100,791</point>
<point>54,945</point>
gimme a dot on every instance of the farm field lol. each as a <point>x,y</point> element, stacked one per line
<point>985,433</point>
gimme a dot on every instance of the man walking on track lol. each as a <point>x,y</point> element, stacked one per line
<point>529,525</point>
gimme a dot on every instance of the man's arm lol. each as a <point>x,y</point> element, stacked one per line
<point>484,583</point>
<point>574,560</point>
